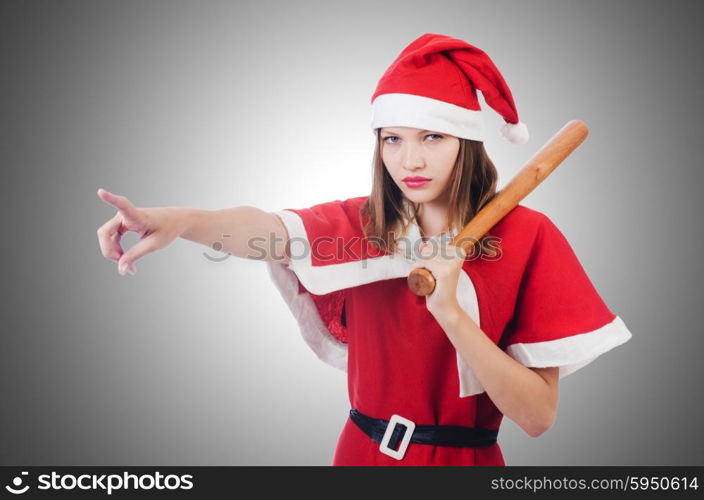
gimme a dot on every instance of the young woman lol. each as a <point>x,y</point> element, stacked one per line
<point>429,378</point>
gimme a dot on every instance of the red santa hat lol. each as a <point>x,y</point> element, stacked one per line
<point>432,85</point>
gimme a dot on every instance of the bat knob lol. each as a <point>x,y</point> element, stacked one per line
<point>421,281</point>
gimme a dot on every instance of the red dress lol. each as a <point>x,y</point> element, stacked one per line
<point>356,312</point>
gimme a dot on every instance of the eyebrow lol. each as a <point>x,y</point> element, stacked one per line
<point>396,133</point>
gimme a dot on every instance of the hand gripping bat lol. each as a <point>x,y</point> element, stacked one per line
<point>422,282</point>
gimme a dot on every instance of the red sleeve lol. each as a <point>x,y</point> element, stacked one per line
<point>559,317</point>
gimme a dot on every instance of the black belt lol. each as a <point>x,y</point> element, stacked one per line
<point>441,435</point>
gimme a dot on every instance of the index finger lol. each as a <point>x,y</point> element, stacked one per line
<point>120,202</point>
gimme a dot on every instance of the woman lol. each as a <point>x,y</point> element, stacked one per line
<point>429,378</point>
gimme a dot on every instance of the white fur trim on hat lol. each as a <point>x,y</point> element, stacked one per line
<point>409,110</point>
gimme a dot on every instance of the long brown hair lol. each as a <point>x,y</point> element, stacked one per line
<point>472,184</point>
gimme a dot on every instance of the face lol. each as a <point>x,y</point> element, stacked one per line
<point>411,152</point>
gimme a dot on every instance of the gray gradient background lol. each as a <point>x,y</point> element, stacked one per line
<point>220,104</point>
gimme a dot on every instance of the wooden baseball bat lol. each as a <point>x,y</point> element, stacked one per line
<point>422,282</point>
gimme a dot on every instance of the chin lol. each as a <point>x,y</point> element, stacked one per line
<point>420,197</point>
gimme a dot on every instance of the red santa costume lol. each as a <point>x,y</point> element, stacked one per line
<point>357,313</point>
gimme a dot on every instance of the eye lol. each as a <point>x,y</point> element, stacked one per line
<point>439,137</point>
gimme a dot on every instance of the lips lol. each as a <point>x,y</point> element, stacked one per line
<point>412,183</point>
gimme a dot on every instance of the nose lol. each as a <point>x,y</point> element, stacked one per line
<point>412,157</point>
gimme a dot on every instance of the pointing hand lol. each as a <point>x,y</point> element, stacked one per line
<point>157,228</point>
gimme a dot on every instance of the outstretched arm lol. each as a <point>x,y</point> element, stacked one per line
<point>245,231</point>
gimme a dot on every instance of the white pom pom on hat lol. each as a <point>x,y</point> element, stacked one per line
<point>516,133</point>
<point>432,85</point>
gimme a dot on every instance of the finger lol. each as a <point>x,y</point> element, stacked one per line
<point>426,263</point>
<point>109,238</point>
<point>427,268</point>
<point>118,201</point>
<point>427,250</point>
<point>139,250</point>
<point>117,250</point>
<point>445,252</point>
<point>459,251</point>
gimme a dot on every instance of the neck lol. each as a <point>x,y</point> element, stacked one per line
<point>432,219</point>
